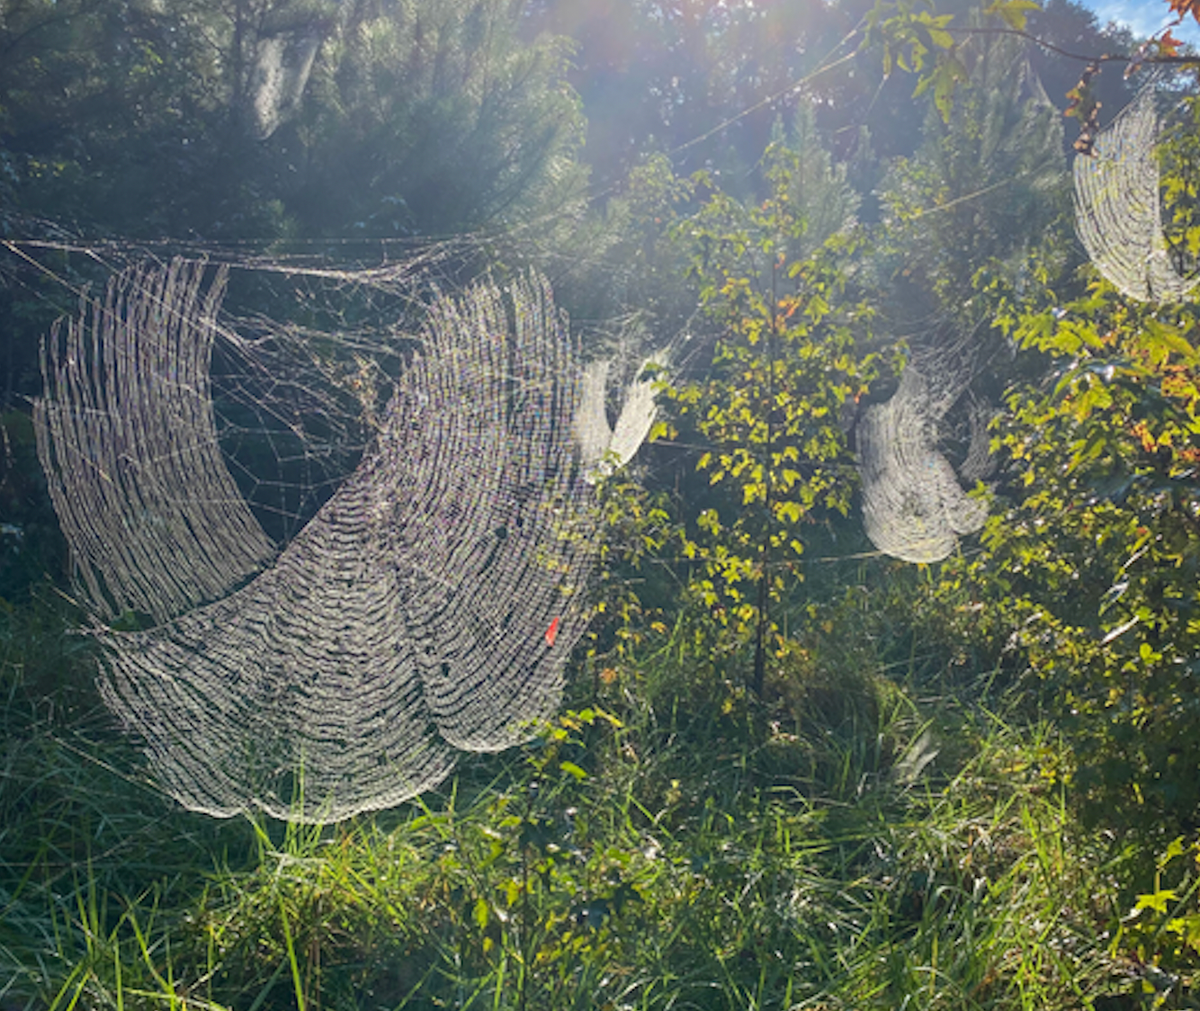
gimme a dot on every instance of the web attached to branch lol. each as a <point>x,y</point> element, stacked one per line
<point>1118,213</point>
<point>430,604</point>
<point>913,506</point>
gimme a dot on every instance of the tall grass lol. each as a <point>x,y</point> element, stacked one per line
<point>871,836</point>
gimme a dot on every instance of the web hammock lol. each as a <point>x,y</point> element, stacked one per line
<point>428,607</point>
<point>913,506</point>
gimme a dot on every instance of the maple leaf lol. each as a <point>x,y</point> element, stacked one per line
<point>1168,45</point>
<point>1185,7</point>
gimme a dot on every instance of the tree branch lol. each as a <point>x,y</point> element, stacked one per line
<point>1178,61</point>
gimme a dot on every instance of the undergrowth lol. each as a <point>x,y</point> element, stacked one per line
<point>890,828</point>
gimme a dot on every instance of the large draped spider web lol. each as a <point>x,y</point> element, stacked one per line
<point>913,506</point>
<point>428,606</point>
<point>1118,213</point>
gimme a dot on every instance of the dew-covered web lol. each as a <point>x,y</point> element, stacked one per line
<point>125,426</point>
<point>604,448</point>
<point>1118,211</point>
<point>914,507</point>
<point>428,606</point>
<point>279,73</point>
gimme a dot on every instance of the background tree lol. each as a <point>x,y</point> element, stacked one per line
<point>986,186</point>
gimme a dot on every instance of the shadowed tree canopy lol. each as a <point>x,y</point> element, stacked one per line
<point>272,118</point>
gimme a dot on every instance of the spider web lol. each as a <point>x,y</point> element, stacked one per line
<point>137,543</point>
<point>913,506</point>
<point>428,606</point>
<point>1118,213</point>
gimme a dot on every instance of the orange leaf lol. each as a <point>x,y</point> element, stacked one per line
<point>552,632</point>
<point>1185,7</point>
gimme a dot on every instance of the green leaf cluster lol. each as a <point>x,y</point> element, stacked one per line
<point>1094,562</point>
<point>770,410</point>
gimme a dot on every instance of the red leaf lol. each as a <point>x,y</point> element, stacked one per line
<point>552,632</point>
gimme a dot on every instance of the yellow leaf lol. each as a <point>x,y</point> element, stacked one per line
<point>1013,12</point>
<point>1155,900</point>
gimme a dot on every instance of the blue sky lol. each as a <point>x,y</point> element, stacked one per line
<point>1145,17</point>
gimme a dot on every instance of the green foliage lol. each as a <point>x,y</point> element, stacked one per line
<point>149,102</point>
<point>30,543</point>
<point>986,186</point>
<point>1179,152</point>
<point>917,40</point>
<point>436,119</point>
<point>787,360</point>
<point>1094,565</point>
<point>874,849</point>
<point>1160,934</point>
<point>929,44</point>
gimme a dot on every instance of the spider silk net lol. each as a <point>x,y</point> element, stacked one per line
<point>125,427</point>
<point>913,506</point>
<point>427,607</point>
<point>1118,213</point>
<point>605,448</point>
<point>280,70</point>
